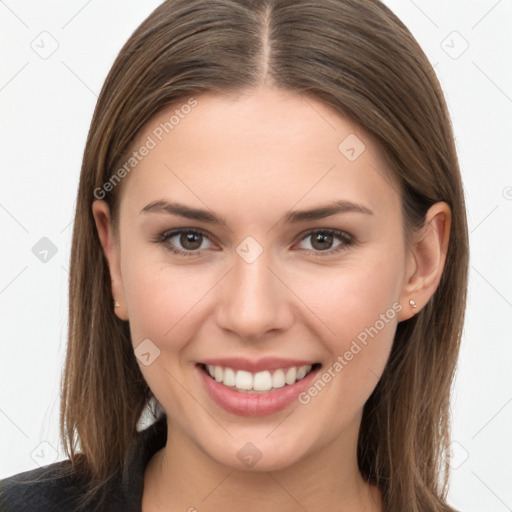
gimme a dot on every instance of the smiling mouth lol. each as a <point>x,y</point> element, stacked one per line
<point>257,382</point>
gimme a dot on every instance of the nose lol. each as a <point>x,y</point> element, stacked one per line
<point>254,299</point>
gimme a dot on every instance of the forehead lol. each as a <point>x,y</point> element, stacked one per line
<point>257,150</point>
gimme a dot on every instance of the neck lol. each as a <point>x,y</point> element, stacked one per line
<point>183,477</point>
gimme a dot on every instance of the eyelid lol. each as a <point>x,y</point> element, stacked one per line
<point>339,232</point>
<point>178,231</point>
<point>164,237</point>
<point>346,238</point>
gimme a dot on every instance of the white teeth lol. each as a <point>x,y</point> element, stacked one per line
<point>243,379</point>
<point>278,379</point>
<point>260,381</point>
<point>229,377</point>
<point>291,375</point>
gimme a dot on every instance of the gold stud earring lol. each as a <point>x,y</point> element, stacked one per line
<point>412,302</point>
<point>116,304</point>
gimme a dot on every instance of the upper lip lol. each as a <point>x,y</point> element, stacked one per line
<point>254,366</point>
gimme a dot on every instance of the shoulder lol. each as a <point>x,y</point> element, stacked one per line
<point>57,488</point>
<point>50,488</point>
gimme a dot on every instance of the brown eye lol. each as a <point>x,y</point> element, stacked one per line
<point>184,242</point>
<point>322,241</point>
<point>191,241</point>
<point>326,241</point>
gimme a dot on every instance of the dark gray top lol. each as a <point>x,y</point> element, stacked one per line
<point>45,489</point>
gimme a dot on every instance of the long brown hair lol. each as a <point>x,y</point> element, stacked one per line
<point>357,57</point>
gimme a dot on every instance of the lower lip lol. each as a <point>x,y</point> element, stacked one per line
<point>245,404</point>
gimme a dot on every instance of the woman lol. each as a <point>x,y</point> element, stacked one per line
<point>270,254</point>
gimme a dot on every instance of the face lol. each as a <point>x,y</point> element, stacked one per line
<point>253,285</point>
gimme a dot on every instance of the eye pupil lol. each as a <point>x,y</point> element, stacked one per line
<point>188,242</point>
<point>324,239</point>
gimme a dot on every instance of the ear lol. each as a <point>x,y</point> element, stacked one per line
<point>425,260</point>
<point>109,243</point>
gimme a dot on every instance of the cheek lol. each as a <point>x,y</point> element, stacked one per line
<point>164,306</point>
<point>163,301</point>
<point>358,306</point>
<point>353,297</point>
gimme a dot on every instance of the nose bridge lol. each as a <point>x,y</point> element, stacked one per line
<point>254,300</point>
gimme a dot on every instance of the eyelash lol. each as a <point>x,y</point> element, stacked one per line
<point>346,239</point>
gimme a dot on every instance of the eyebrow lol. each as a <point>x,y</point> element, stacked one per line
<point>293,216</point>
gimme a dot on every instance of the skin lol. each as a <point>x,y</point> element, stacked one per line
<point>251,158</point>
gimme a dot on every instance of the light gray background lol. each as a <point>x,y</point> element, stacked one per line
<point>46,104</point>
